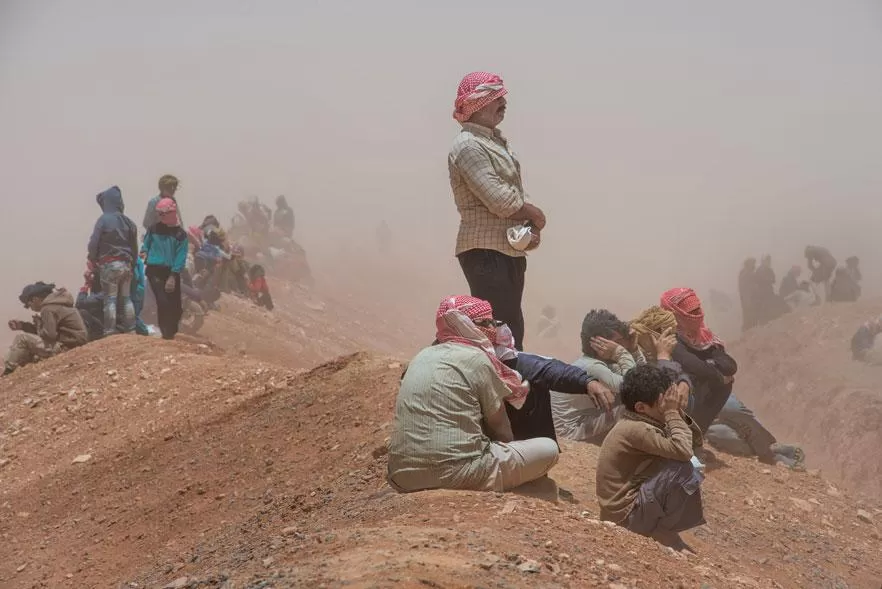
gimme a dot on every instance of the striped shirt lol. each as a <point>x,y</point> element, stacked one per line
<point>485,177</point>
<point>437,439</point>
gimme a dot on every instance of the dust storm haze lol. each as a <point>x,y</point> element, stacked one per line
<point>666,141</point>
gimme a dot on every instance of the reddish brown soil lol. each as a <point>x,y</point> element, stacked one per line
<point>244,474</point>
<point>798,375</point>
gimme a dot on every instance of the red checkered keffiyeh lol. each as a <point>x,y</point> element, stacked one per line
<point>476,90</point>
<point>455,324</point>
<point>686,307</point>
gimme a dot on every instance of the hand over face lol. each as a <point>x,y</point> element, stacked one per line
<point>605,349</point>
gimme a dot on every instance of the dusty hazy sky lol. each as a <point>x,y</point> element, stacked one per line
<point>665,140</point>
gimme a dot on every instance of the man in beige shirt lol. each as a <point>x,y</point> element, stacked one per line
<point>485,177</point>
<point>451,429</point>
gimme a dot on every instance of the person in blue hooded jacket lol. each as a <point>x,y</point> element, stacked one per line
<point>113,249</point>
<point>165,255</point>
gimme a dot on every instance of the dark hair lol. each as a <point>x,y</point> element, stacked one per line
<point>600,323</point>
<point>645,383</point>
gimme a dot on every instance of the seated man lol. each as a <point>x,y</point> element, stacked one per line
<point>863,343</point>
<point>701,354</point>
<point>645,481</point>
<point>736,429</point>
<point>576,417</point>
<point>57,328</point>
<point>534,419</point>
<point>450,429</point>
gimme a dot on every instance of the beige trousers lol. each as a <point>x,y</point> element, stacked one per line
<point>520,462</point>
<point>504,467</point>
<point>25,349</point>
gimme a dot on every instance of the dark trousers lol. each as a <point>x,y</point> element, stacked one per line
<point>168,304</point>
<point>499,280</point>
<point>668,502</point>
<point>709,401</point>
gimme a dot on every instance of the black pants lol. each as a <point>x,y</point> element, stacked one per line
<point>499,280</point>
<point>709,401</point>
<point>168,304</point>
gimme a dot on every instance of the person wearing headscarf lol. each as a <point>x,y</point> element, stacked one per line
<point>283,217</point>
<point>701,355</point>
<point>747,291</point>
<point>769,306</point>
<point>165,255</point>
<point>57,326</point>
<point>846,287</point>
<point>168,188</point>
<point>822,265</point>
<point>790,282</point>
<point>485,177</point>
<point>736,429</point>
<point>864,340</point>
<point>451,430</point>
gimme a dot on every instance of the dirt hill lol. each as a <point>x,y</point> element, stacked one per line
<point>135,462</point>
<point>798,375</point>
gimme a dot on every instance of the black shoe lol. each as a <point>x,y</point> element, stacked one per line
<point>7,372</point>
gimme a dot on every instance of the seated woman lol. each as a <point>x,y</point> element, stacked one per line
<point>450,429</point>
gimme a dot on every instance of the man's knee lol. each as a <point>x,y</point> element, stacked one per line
<point>542,452</point>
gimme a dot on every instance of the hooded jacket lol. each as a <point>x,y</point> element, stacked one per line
<point>115,237</point>
<point>60,322</point>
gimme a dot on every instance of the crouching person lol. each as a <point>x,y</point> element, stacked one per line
<point>451,430</point>
<point>645,481</point>
<point>57,328</point>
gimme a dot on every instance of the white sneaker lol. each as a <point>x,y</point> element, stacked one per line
<point>697,463</point>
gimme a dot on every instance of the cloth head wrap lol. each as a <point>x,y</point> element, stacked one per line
<point>686,307</point>
<point>476,90</point>
<point>167,209</point>
<point>455,322</point>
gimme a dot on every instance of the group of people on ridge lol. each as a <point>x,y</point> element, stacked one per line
<point>198,264</point>
<point>475,411</point>
<point>760,303</point>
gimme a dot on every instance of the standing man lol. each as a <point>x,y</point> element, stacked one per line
<point>168,186</point>
<point>485,177</point>
<point>747,291</point>
<point>113,249</point>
